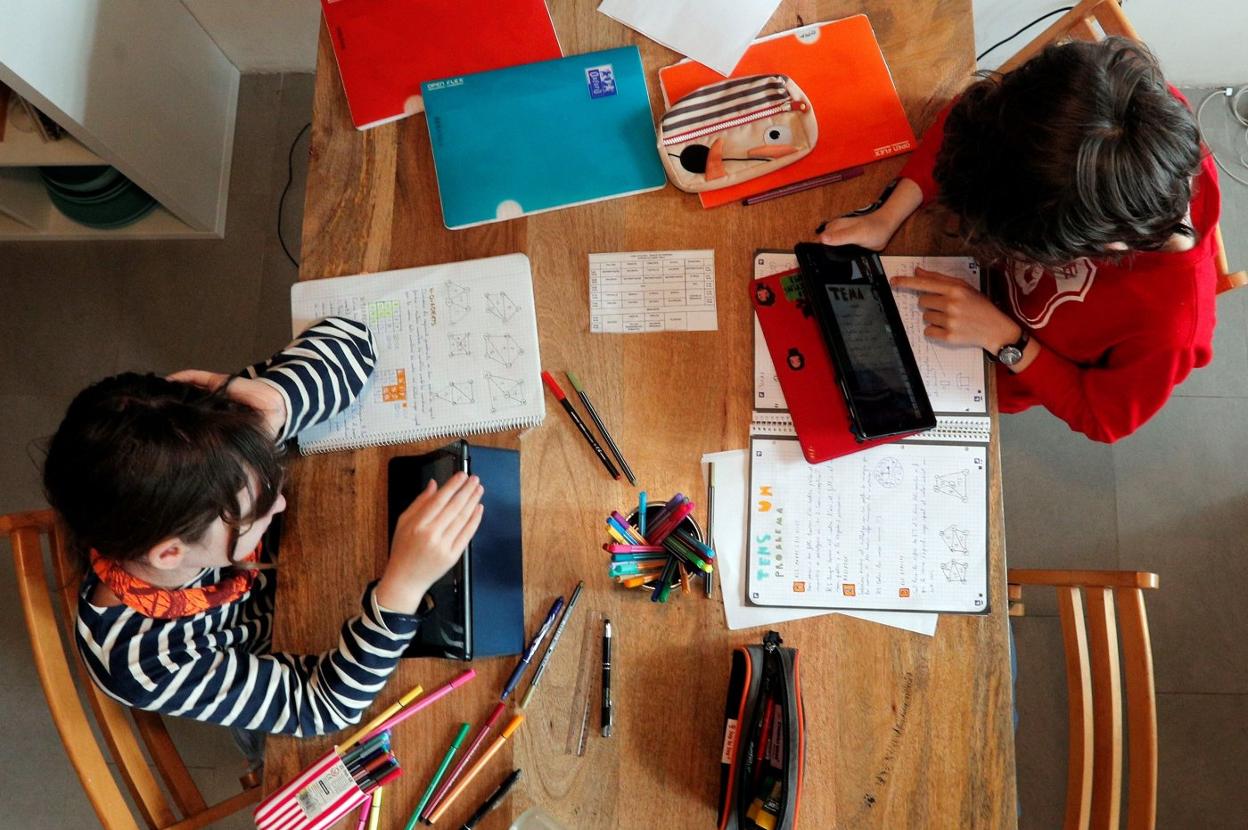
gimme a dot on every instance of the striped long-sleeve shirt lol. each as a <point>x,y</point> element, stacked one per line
<point>217,666</point>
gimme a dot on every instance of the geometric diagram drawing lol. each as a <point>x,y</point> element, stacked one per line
<point>953,484</point>
<point>500,305</point>
<point>888,472</point>
<point>457,297</point>
<point>505,392</point>
<point>955,571</point>
<point>461,345</point>
<point>956,539</point>
<point>502,349</point>
<point>397,391</point>
<point>456,392</point>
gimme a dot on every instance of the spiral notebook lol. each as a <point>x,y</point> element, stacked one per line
<point>456,351</point>
<point>897,527</point>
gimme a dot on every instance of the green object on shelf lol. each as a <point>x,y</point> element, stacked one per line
<point>95,196</point>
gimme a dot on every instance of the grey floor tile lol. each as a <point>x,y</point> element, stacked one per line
<point>28,420</point>
<point>1040,744</point>
<point>1060,510</point>
<point>1202,743</point>
<point>259,106</point>
<point>1182,488</point>
<point>1227,375</point>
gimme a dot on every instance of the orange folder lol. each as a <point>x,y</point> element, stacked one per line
<point>838,64</point>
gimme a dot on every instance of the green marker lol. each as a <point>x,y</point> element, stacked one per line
<point>437,776</point>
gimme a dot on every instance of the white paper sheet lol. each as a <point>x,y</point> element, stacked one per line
<point>713,32</point>
<point>635,292</point>
<point>731,478</point>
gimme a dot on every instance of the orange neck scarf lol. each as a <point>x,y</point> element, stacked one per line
<point>171,603</point>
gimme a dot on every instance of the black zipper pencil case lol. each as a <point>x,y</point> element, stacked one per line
<point>764,739</point>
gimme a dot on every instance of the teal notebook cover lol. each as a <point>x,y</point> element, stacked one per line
<point>542,136</point>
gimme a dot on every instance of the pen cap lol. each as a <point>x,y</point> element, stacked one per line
<point>688,525</point>
<point>513,726</point>
<point>553,385</point>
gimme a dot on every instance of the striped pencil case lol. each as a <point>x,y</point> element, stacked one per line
<point>736,130</point>
<point>764,739</point>
<point>317,798</point>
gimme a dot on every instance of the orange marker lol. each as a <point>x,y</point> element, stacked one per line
<point>475,768</point>
<point>637,581</point>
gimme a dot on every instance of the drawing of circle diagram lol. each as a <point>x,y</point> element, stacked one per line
<point>888,472</point>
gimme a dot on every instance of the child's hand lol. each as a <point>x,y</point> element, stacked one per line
<point>259,396</point>
<point>957,314</point>
<point>429,538</point>
<point>871,231</point>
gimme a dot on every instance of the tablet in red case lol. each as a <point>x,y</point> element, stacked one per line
<point>804,368</point>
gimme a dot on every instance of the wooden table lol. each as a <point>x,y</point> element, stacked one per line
<point>903,730</point>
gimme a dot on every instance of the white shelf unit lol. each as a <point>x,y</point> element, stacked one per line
<point>135,84</point>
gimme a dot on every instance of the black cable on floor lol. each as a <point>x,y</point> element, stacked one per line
<point>281,203</point>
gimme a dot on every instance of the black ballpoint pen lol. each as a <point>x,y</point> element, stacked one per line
<point>602,428</point>
<point>493,801</point>
<point>607,718</point>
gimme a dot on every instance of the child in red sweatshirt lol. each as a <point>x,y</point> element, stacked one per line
<point>1081,176</point>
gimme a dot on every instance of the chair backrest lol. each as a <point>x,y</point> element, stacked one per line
<point>1096,674</point>
<point>1093,20</point>
<point>121,729</point>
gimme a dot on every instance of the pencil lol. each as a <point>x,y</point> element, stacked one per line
<point>554,641</point>
<point>555,390</point>
<point>459,788</point>
<point>602,428</point>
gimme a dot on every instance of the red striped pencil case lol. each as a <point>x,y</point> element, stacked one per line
<point>318,797</point>
<point>764,739</point>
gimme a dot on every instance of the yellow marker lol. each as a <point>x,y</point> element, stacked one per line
<point>617,536</point>
<point>433,817</point>
<point>383,717</point>
<point>374,812</point>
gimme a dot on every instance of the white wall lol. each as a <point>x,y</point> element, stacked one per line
<point>262,35</point>
<point>1199,42</point>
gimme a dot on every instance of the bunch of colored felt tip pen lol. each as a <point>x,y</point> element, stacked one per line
<point>660,547</point>
<point>372,764</point>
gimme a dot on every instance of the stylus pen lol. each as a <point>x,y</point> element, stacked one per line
<point>553,385</point>
<point>607,719</point>
<point>527,657</point>
<point>554,641</point>
<point>602,428</point>
<point>493,801</point>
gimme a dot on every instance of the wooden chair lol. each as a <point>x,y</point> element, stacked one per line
<point>1095,680</point>
<point>121,728</point>
<point>1094,20</point>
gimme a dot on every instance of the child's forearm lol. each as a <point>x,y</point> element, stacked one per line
<point>903,201</point>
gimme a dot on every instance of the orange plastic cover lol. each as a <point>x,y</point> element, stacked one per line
<point>840,67</point>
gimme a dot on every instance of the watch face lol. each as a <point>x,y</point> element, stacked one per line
<point>1010,355</point>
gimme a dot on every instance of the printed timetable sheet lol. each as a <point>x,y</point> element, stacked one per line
<point>647,291</point>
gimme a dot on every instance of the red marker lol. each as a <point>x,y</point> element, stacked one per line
<point>553,385</point>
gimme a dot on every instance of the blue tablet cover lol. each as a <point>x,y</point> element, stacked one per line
<point>497,582</point>
<point>542,136</point>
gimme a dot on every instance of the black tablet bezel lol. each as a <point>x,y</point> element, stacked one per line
<point>823,265</point>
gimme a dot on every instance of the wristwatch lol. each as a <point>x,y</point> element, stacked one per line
<point>1011,353</point>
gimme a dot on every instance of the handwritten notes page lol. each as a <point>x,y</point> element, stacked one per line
<point>456,351</point>
<point>646,291</point>
<point>954,376</point>
<point>901,527</point>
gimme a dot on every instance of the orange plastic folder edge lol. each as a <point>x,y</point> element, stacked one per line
<point>839,65</point>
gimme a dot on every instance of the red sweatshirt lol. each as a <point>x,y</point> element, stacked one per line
<point>1117,335</point>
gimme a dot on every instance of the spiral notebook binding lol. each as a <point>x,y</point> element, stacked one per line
<point>477,428</point>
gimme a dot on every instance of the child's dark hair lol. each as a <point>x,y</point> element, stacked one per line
<point>1080,147</point>
<point>139,459</point>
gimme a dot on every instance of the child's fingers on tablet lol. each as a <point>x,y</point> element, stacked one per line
<point>446,492</point>
<point>468,529</point>
<point>442,516</point>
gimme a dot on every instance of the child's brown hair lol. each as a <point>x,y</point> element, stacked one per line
<point>1079,148</point>
<point>139,459</point>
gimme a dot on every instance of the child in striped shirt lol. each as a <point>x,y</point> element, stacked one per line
<point>167,486</point>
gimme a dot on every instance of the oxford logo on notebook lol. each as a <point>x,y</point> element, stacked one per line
<point>601,81</point>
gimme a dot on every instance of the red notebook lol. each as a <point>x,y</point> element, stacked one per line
<point>839,66</point>
<point>387,48</point>
<point>804,369</point>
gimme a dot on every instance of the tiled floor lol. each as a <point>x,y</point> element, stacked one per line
<point>1169,499</point>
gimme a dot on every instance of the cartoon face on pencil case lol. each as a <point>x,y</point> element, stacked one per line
<point>736,130</point>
